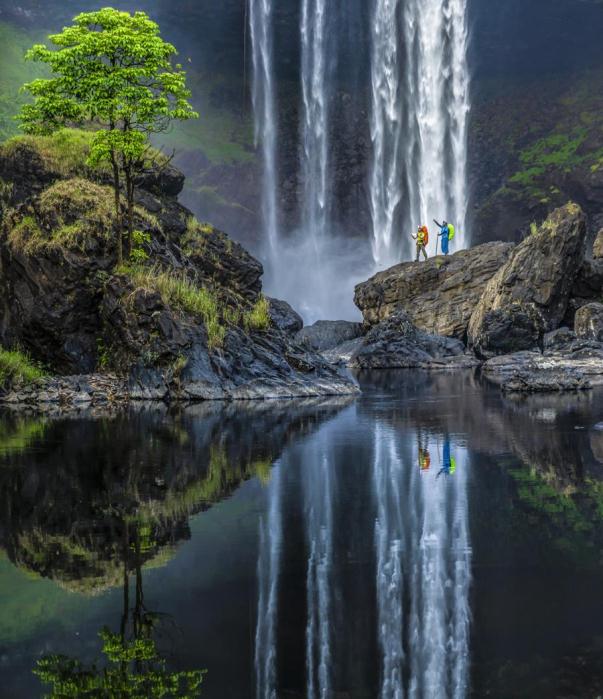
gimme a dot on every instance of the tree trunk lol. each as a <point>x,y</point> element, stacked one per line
<point>130,197</point>
<point>116,183</point>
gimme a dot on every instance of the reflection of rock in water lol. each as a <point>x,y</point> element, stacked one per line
<point>66,505</point>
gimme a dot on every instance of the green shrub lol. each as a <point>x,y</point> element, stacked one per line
<point>258,318</point>
<point>69,213</point>
<point>15,365</point>
<point>178,291</point>
<point>139,240</point>
<point>65,151</point>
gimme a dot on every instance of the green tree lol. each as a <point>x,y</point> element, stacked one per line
<point>111,71</point>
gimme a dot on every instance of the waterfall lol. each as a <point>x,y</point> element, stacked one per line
<point>386,131</point>
<point>268,570</point>
<point>319,527</point>
<point>429,104</point>
<point>265,115</point>
<point>315,116</point>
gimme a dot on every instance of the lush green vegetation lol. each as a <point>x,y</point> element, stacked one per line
<point>178,291</point>
<point>258,318</point>
<point>112,71</point>
<point>65,151</point>
<point>15,365</point>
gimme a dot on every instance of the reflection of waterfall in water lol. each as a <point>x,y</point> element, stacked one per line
<point>422,542</point>
<point>318,486</point>
<point>264,108</point>
<point>271,537</point>
<point>430,104</point>
<point>389,532</point>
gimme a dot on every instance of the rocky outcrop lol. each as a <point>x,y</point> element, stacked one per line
<point>328,334</point>
<point>532,372</point>
<point>284,317</point>
<point>588,287</point>
<point>188,323</point>
<point>589,322</point>
<point>598,246</point>
<point>532,289</point>
<point>439,295</point>
<point>397,343</point>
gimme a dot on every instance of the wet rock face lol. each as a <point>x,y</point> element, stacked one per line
<point>532,372</point>
<point>327,334</point>
<point>63,302</point>
<point>284,317</point>
<point>589,322</point>
<point>598,246</point>
<point>439,295</point>
<point>396,343</point>
<point>531,291</point>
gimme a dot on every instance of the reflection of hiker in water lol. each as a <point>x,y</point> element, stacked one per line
<point>448,461</point>
<point>424,459</point>
<point>424,455</point>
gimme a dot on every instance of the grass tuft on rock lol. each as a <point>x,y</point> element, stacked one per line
<point>258,318</point>
<point>15,365</point>
<point>65,151</point>
<point>70,214</point>
<point>177,291</point>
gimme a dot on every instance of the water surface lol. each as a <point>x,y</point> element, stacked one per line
<point>431,538</point>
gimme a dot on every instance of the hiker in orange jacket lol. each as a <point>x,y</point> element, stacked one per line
<point>422,239</point>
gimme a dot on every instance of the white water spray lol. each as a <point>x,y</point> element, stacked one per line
<point>265,115</point>
<point>268,571</point>
<point>430,103</point>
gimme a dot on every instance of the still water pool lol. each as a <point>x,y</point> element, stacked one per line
<point>429,539</point>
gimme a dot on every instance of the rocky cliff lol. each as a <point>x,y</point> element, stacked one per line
<point>536,306</point>
<point>186,319</point>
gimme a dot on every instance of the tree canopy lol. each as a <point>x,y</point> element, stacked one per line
<point>113,72</point>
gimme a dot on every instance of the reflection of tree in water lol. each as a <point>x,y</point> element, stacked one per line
<point>69,487</point>
<point>133,666</point>
<point>91,503</point>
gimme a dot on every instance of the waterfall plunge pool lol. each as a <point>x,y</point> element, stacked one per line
<point>431,538</point>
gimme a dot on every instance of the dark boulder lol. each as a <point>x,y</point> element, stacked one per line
<point>396,343</point>
<point>284,317</point>
<point>589,322</point>
<point>598,246</point>
<point>531,291</point>
<point>162,180</point>
<point>327,334</point>
<point>532,372</point>
<point>517,327</point>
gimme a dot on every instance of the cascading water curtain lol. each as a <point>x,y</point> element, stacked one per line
<point>265,114</point>
<point>314,135</point>
<point>386,133</point>
<point>420,105</point>
<point>268,572</point>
